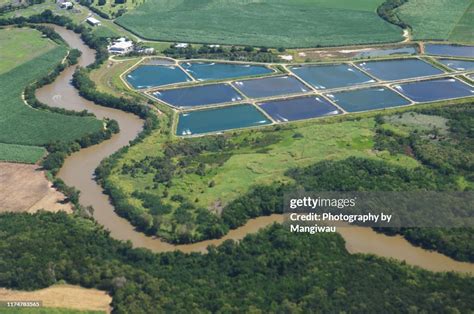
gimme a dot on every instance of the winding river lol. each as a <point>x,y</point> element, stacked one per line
<point>78,171</point>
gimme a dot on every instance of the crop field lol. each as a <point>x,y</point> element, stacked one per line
<point>21,153</point>
<point>24,125</point>
<point>440,19</point>
<point>271,23</point>
<point>20,45</point>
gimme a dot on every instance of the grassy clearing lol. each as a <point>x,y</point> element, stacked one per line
<point>249,166</point>
<point>113,9</point>
<point>24,125</point>
<point>107,77</point>
<point>439,19</point>
<point>78,14</point>
<point>280,23</point>
<point>20,45</point>
<point>21,153</point>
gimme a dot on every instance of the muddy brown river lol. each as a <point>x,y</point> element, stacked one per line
<point>78,171</point>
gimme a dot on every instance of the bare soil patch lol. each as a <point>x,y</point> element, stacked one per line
<point>24,188</point>
<point>63,296</point>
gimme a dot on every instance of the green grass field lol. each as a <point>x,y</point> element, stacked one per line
<point>21,153</point>
<point>20,45</point>
<point>248,167</point>
<point>21,124</point>
<point>440,19</point>
<point>271,23</point>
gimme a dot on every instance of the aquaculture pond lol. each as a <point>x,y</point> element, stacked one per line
<point>433,90</point>
<point>458,65</point>
<point>146,76</point>
<point>218,71</point>
<point>220,119</point>
<point>449,50</point>
<point>386,52</point>
<point>368,99</point>
<point>331,76</point>
<point>299,108</point>
<point>271,86</point>
<point>198,95</point>
<point>390,70</point>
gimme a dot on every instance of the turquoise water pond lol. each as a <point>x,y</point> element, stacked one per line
<point>368,99</point>
<point>146,76</point>
<point>205,71</point>
<point>458,65</point>
<point>220,119</point>
<point>331,76</point>
<point>390,70</point>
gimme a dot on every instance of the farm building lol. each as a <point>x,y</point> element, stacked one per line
<point>93,21</point>
<point>121,46</point>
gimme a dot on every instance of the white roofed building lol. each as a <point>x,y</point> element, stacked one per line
<point>93,21</point>
<point>121,46</point>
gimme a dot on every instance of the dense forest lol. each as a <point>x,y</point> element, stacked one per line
<point>272,271</point>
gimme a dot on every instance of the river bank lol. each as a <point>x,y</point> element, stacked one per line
<point>78,171</point>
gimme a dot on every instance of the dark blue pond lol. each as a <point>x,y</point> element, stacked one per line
<point>368,99</point>
<point>146,76</point>
<point>433,90</point>
<point>331,76</point>
<point>299,108</point>
<point>386,52</point>
<point>390,70</point>
<point>449,50</point>
<point>272,86</point>
<point>218,71</point>
<point>220,119</point>
<point>458,65</point>
<point>199,95</point>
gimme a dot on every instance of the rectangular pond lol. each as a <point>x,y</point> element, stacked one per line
<point>145,76</point>
<point>409,50</point>
<point>299,108</point>
<point>368,99</point>
<point>433,90</point>
<point>198,95</point>
<point>271,86</point>
<point>331,76</point>
<point>205,71</point>
<point>220,119</point>
<point>458,65</point>
<point>449,50</point>
<point>390,70</point>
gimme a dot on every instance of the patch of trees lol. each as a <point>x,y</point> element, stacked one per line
<point>12,6</point>
<point>448,157</point>
<point>387,11</point>
<point>233,53</point>
<point>271,271</point>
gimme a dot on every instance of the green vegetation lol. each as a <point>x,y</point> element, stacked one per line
<point>22,124</point>
<point>272,271</point>
<point>21,153</point>
<point>20,45</point>
<point>112,8</point>
<point>439,19</point>
<point>167,186</point>
<point>280,23</point>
